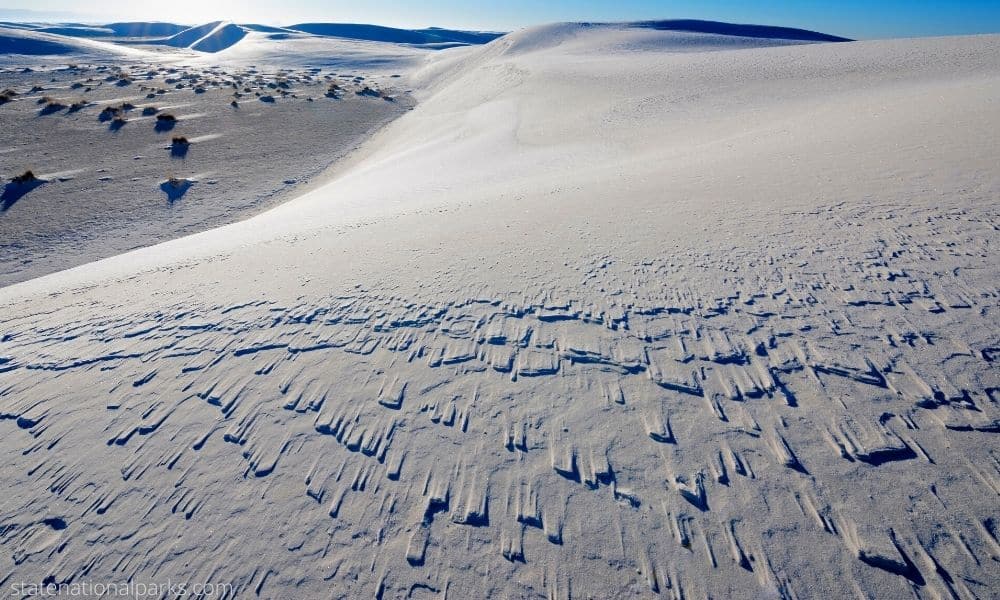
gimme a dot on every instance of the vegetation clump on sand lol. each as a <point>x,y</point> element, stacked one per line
<point>180,140</point>
<point>150,110</point>
<point>26,177</point>
<point>109,112</point>
<point>166,118</point>
<point>52,106</point>
<point>7,95</point>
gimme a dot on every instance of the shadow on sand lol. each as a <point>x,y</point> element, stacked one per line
<point>175,188</point>
<point>15,190</point>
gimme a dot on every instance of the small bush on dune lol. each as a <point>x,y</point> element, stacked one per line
<point>78,105</point>
<point>166,117</point>
<point>150,110</point>
<point>179,140</point>
<point>108,113</point>
<point>26,177</point>
<point>52,106</point>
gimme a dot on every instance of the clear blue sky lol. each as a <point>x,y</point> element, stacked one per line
<point>851,18</point>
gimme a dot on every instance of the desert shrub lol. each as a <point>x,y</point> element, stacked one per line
<point>166,117</point>
<point>179,140</point>
<point>26,177</point>
<point>78,105</point>
<point>150,110</point>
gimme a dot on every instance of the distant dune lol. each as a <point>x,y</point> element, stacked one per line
<point>750,31</point>
<point>210,37</point>
<point>398,36</point>
<point>32,41</point>
<point>218,36</point>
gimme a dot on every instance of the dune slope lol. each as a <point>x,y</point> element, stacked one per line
<point>614,311</point>
<point>16,42</point>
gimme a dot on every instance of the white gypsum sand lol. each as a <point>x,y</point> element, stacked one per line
<point>612,312</point>
<point>100,138</point>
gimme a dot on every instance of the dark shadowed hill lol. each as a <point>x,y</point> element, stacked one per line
<point>750,31</point>
<point>378,33</point>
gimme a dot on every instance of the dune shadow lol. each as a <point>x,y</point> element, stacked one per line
<point>179,150</point>
<point>116,124</point>
<point>14,191</point>
<point>740,30</point>
<point>163,125</point>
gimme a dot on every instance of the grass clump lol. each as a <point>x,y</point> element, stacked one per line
<point>26,177</point>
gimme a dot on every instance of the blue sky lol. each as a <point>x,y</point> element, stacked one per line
<point>851,18</point>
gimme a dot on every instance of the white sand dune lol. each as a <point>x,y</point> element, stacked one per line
<point>614,311</point>
<point>31,42</point>
<point>296,49</point>
<point>210,37</point>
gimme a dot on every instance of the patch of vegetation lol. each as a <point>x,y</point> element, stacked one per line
<point>26,177</point>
